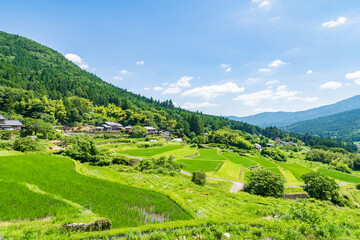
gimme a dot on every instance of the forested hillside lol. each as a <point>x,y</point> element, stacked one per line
<point>37,82</point>
<point>345,125</point>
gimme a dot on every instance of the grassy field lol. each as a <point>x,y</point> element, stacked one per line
<point>149,152</point>
<point>209,154</point>
<point>229,171</point>
<point>296,169</point>
<point>340,176</point>
<point>263,162</point>
<point>20,203</point>
<point>237,159</point>
<point>205,165</point>
<point>120,203</point>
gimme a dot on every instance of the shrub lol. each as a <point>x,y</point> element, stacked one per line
<point>28,145</point>
<point>265,183</point>
<point>274,154</point>
<point>122,160</point>
<point>358,186</point>
<point>321,187</point>
<point>83,148</point>
<point>199,177</point>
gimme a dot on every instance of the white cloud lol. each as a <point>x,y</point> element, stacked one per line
<point>158,88</point>
<point>331,85</point>
<point>277,63</point>
<point>125,72</point>
<point>340,21</point>
<point>309,72</point>
<point>190,105</point>
<point>304,99</point>
<point>140,63</point>
<point>172,90</point>
<point>253,99</point>
<point>264,4</point>
<point>271,82</point>
<point>165,83</point>
<point>227,67</point>
<point>118,78</point>
<point>264,70</point>
<point>354,76</point>
<point>147,89</point>
<point>175,88</point>
<point>212,91</point>
<point>183,82</point>
<point>77,60</point>
<point>261,110</point>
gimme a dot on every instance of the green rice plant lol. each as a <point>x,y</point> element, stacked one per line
<point>237,159</point>
<point>263,162</point>
<point>148,152</point>
<point>20,203</point>
<point>205,165</point>
<point>209,154</point>
<point>123,205</point>
<point>296,169</point>
<point>339,175</point>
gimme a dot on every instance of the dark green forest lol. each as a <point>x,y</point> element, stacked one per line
<point>37,82</point>
<point>343,125</point>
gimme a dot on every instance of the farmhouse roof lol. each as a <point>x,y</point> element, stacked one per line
<point>113,124</point>
<point>2,117</point>
<point>12,123</point>
<point>128,127</point>
<point>150,128</point>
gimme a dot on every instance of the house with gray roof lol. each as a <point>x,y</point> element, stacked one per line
<point>11,125</point>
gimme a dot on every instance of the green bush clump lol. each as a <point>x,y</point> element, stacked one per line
<point>265,183</point>
<point>28,145</point>
<point>161,165</point>
<point>274,154</point>
<point>199,177</point>
<point>82,148</point>
<point>322,187</point>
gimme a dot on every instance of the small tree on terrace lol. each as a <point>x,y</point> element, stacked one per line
<point>321,187</point>
<point>265,183</point>
<point>199,177</point>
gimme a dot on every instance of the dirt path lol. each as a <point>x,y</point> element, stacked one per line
<point>237,186</point>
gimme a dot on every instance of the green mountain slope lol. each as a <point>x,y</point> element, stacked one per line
<point>345,125</point>
<point>281,119</point>
<point>40,83</point>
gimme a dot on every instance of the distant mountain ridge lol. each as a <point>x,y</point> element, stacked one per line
<point>344,125</point>
<point>282,119</point>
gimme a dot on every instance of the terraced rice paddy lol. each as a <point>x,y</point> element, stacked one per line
<point>205,165</point>
<point>149,152</point>
<point>122,204</point>
<point>340,176</point>
<point>20,203</point>
<point>209,154</point>
<point>296,169</point>
<point>237,159</point>
<point>263,162</point>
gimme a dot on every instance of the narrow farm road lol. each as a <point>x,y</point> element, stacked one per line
<point>238,186</point>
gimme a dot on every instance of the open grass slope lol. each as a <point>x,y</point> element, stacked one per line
<point>149,152</point>
<point>120,203</point>
<point>340,176</point>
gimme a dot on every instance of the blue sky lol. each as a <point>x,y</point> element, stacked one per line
<point>218,57</point>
